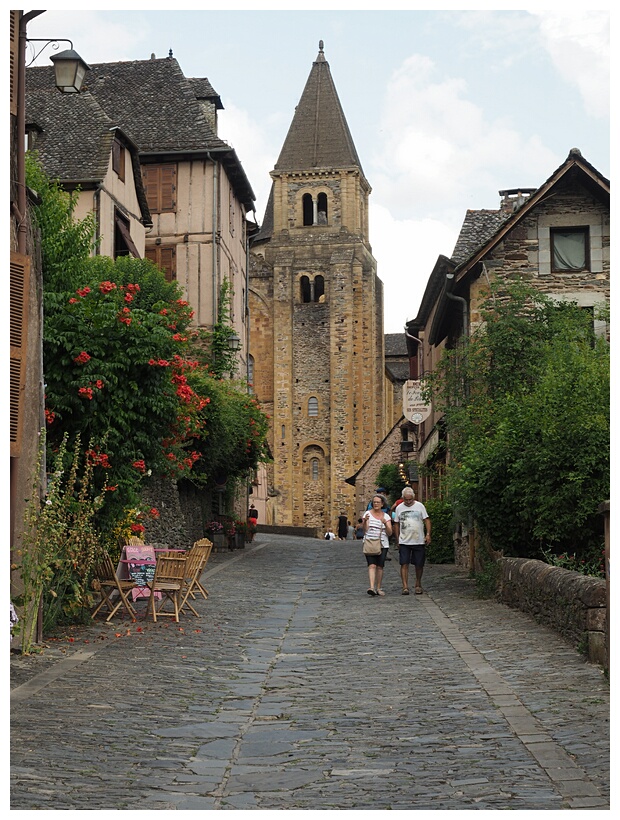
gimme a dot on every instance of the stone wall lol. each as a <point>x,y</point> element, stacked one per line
<point>572,604</point>
<point>304,532</point>
<point>171,527</point>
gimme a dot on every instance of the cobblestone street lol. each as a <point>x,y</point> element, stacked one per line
<point>297,690</point>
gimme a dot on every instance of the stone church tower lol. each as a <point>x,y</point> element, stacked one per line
<point>316,316</point>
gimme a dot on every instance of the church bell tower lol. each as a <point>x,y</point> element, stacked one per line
<point>316,315</point>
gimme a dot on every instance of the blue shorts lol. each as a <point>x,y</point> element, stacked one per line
<point>379,560</point>
<point>412,554</point>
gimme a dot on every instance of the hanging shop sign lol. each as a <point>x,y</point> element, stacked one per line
<point>415,409</point>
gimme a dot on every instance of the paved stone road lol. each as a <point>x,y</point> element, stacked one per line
<point>296,690</point>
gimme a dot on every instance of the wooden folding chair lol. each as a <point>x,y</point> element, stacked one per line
<point>197,557</point>
<point>169,580</point>
<point>106,583</point>
<point>198,587</point>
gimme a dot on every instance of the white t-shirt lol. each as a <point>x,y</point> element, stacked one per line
<point>376,528</point>
<point>330,536</point>
<point>410,521</point>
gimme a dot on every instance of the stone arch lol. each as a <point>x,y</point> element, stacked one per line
<point>310,287</point>
<point>314,207</point>
<point>315,483</point>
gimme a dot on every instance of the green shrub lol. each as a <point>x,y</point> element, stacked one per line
<point>441,548</point>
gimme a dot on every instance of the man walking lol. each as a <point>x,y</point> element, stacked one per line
<point>413,533</point>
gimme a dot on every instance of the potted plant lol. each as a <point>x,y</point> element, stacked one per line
<point>214,531</point>
<point>241,528</point>
<point>230,532</point>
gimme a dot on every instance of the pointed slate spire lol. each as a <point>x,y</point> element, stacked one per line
<point>319,136</point>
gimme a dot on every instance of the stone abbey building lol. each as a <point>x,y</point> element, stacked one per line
<point>316,316</point>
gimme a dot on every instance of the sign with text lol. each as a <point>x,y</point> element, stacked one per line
<point>415,409</point>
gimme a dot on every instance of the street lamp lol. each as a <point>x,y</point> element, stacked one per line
<point>70,70</point>
<point>69,67</point>
<point>234,342</point>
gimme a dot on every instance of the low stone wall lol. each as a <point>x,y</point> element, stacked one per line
<point>572,604</point>
<point>304,532</point>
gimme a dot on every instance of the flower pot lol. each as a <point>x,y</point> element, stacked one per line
<point>239,540</point>
<point>220,541</point>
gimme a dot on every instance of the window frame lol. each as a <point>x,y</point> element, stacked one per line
<point>155,254</point>
<point>160,186</point>
<point>118,159</point>
<point>572,229</point>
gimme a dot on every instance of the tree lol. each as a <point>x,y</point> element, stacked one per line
<point>389,477</point>
<point>526,404</point>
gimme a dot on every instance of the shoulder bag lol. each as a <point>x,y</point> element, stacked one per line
<point>372,546</point>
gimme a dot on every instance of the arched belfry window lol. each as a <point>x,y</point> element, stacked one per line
<point>314,211</point>
<point>313,406</point>
<point>305,289</point>
<point>308,208</point>
<point>311,289</point>
<point>322,209</point>
<point>314,466</point>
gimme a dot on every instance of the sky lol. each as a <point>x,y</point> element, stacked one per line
<point>446,108</point>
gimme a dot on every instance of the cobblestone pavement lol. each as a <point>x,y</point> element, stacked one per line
<point>297,690</point>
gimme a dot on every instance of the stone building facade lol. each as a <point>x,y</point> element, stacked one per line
<point>316,312</point>
<point>527,238</point>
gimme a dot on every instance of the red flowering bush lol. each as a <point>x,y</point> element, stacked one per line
<point>124,370</point>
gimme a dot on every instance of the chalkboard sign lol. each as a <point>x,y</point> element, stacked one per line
<point>140,563</point>
<point>141,573</point>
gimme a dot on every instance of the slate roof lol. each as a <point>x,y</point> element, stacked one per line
<point>157,106</point>
<point>203,90</point>
<point>319,136</point>
<point>74,138</point>
<point>477,228</point>
<point>76,135</point>
<point>399,370</point>
<point>395,344</point>
<point>266,228</point>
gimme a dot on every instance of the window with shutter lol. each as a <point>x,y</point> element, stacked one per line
<point>164,256</point>
<point>160,184</point>
<point>118,159</point>
<point>20,278</point>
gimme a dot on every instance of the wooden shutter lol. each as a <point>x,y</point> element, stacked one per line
<point>20,282</point>
<point>160,185</point>
<point>164,256</point>
<point>118,159</point>
<point>168,184</point>
<point>14,67</point>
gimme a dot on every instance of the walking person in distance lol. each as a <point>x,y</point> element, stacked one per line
<point>413,532</point>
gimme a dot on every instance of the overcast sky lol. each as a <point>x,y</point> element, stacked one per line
<point>445,107</point>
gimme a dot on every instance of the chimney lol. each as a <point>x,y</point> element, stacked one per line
<point>513,198</point>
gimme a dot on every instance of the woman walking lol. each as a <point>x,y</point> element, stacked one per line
<point>377,524</point>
